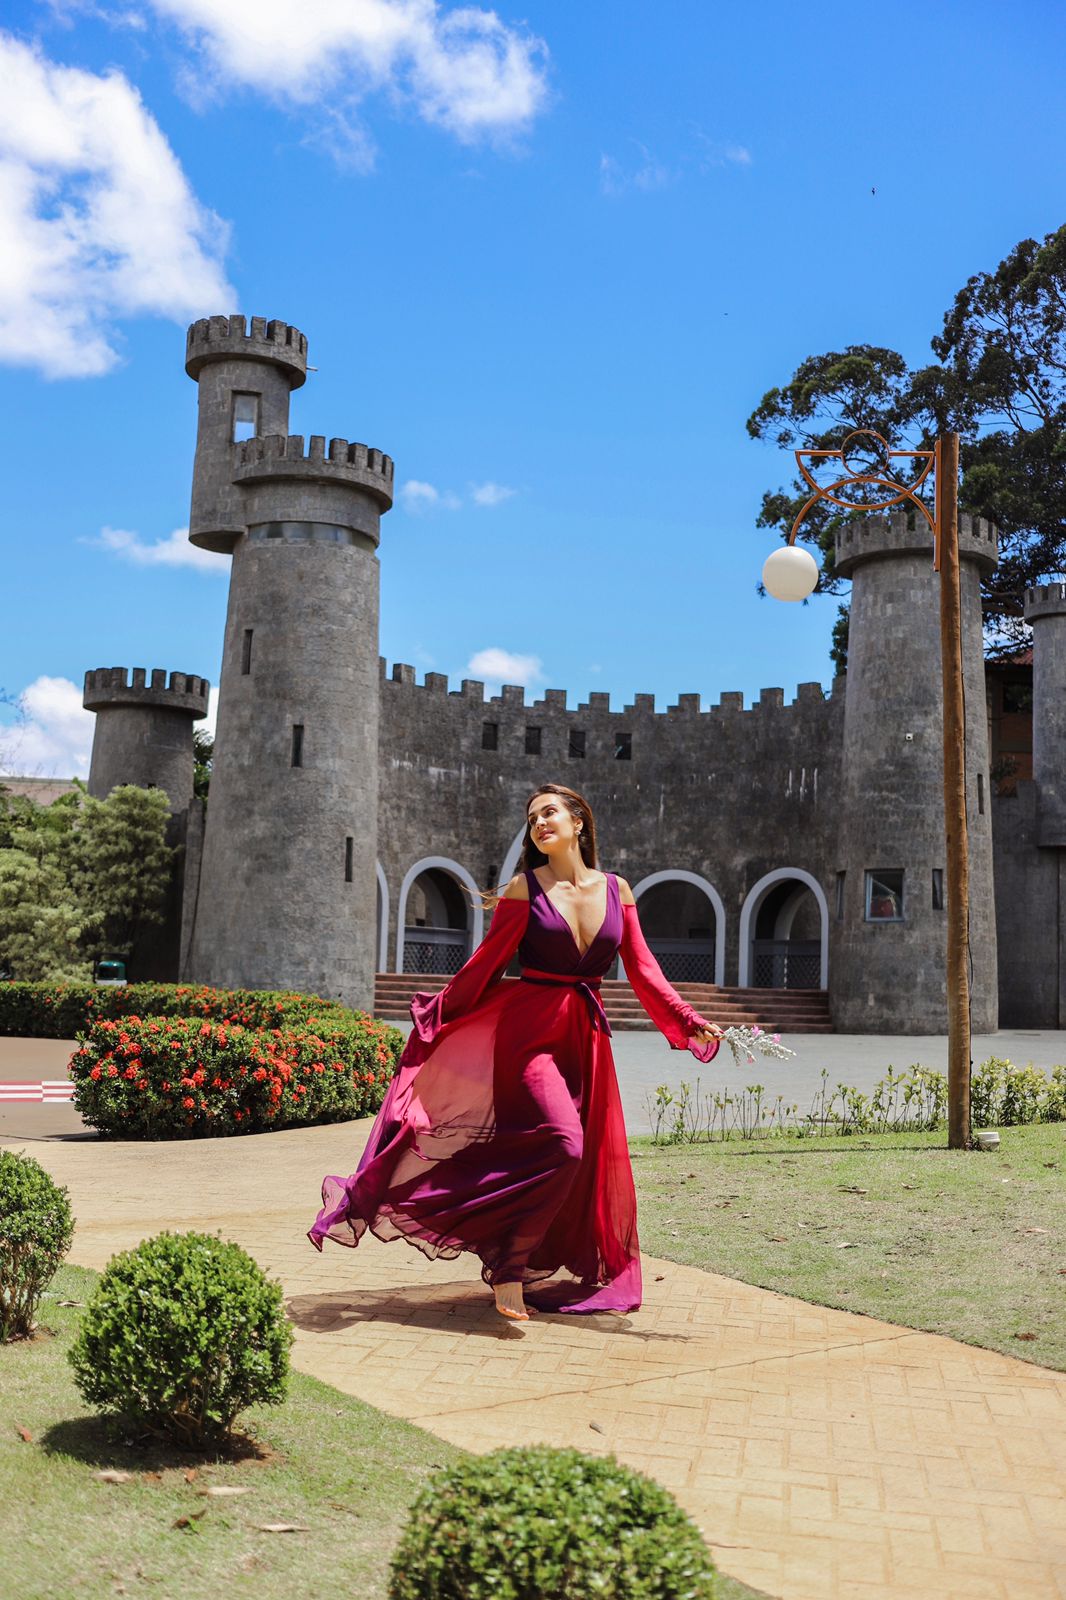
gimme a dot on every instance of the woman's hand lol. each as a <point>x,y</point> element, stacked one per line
<point>709,1031</point>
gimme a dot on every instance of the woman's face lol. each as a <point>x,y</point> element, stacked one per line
<point>553,828</point>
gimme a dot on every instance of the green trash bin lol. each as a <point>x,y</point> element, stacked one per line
<point>110,974</point>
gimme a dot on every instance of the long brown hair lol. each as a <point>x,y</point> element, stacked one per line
<point>530,856</point>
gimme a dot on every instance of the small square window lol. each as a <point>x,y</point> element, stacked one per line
<point>532,741</point>
<point>577,742</point>
<point>623,747</point>
<point>884,895</point>
<point>938,888</point>
<point>490,735</point>
<point>245,417</point>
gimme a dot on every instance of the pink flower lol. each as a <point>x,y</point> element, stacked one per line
<point>776,1037</point>
<point>756,1031</point>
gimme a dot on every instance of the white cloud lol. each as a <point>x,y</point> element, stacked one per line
<point>97,218</point>
<point>173,551</point>
<point>208,723</point>
<point>495,666</point>
<point>490,494</point>
<point>647,174</point>
<point>461,69</point>
<point>53,734</point>
<point>720,153</point>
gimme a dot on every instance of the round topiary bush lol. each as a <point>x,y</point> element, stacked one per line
<point>181,1334</point>
<point>36,1228</point>
<point>523,1524</point>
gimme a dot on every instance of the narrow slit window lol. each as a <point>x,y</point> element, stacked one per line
<point>532,741</point>
<point>623,747</point>
<point>297,744</point>
<point>348,847</point>
<point>577,742</point>
<point>981,793</point>
<point>245,417</point>
<point>246,652</point>
<point>938,888</point>
<point>840,895</point>
<point>490,735</point>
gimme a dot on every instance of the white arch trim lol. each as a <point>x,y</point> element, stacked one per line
<point>446,865</point>
<point>676,875</point>
<point>752,904</point>
<point>383,925</point>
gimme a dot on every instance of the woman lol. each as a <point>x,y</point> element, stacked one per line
<point>502,1131</point>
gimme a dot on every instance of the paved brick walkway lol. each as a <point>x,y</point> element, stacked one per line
<point>823,1454</point>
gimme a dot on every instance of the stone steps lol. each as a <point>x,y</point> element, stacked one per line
<point>777,1010</point>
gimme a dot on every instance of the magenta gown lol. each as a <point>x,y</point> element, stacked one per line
<point>502,1132</point>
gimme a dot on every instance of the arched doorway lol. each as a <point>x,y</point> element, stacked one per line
<point>438,924</point>
<point>382,911</point>
<point>683,919</point>
<point>784,933</point>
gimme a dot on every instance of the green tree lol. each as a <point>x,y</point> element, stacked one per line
<point>121,866</point>
<point>203,745</point>
<point>999,382</point>
<point>42,921</point>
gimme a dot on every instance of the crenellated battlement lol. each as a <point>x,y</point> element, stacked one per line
<point>901,531</point>
<point>119,686</point>
<point>1045,600</point>
<point>277,456</point>
<point>229,338</point>
<point>512,697</point>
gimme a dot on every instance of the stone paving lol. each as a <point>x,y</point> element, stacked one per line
<point>823,1454</point>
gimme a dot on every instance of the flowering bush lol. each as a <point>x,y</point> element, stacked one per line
<point>190,1077</point>
<point>59,1010</point>
<point>181,1334</point>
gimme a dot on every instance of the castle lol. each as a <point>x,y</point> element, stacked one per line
<point>353,812</point>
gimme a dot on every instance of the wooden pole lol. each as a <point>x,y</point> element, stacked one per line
<point>958,867</point>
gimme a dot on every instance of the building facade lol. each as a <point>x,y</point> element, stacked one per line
<point>354,813</point>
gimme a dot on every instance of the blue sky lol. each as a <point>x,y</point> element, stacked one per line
<point>549,259</point>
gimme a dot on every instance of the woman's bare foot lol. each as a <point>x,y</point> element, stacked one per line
<point>510,1303</point>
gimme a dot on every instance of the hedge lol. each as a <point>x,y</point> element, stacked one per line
<point>61,1010</point>
<point>191,1077</point>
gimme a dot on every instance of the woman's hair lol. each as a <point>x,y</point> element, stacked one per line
<point>530,856</point>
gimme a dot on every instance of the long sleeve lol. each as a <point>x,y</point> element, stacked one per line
<point>674,1018</point>
<point>430,1012</point>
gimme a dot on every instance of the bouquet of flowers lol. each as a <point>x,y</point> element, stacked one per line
<point>744,1042</point>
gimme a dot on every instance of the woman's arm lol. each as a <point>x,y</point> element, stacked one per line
<point>680,1023</point>
<point>430,1012</point>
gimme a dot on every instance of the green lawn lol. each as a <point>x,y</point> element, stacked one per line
<point>970,1244</point>
<point>333,1466</point>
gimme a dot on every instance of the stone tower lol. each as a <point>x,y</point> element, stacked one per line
<point>287,890</point>
<point>887,953</point>
<point>1045,610</point>
<point>143,731</point>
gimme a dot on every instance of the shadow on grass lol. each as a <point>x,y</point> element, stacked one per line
<point>106,1441</point>
<point>442,1308</point>
<point>788,1152</point>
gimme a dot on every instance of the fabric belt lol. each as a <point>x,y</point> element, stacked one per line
<point>588,988</point>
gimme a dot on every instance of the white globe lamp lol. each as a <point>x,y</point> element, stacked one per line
<point>790,573</point>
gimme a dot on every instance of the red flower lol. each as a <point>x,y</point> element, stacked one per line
<point>130,1072</point>
<point>112,1071</point>
<point>95,1073</point>
<point>188,1102</point>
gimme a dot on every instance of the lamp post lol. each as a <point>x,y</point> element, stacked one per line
<point>790,573</point>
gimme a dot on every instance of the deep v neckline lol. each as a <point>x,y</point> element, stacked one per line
<point>581,954</point>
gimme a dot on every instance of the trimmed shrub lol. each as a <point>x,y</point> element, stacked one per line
<point>187,1078</point>
<point>1004,1095</point>
<point>61,1010</point>
<point>522,1524</point>
<point>181,1335</point>
<point>36,1228</point>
